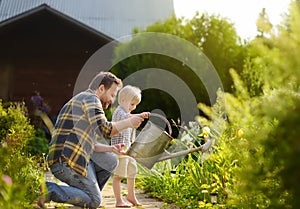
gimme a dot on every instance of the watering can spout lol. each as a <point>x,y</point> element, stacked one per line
<point>167,155</point>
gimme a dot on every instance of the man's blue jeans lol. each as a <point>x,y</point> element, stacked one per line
<point>82,191</point>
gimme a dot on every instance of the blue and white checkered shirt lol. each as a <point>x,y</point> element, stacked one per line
<point>127,135</point>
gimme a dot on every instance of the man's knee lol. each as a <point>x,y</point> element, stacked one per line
<point>96,202</point>
<point>95,205</point>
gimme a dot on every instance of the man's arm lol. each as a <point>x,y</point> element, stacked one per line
<point>117,149</point>
<point>97,119</point>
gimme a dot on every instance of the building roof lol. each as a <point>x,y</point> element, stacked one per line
<point>113,18</point>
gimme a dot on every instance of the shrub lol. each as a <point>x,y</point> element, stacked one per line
<point>26,180</point>
<point>20,176</point>
<point>38,145</point>
<point>15,128</point>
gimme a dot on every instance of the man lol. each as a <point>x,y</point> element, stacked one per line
<point>79,123</point>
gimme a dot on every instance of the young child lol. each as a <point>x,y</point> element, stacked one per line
<point>129,97</point>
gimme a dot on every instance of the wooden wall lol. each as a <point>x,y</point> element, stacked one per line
<point>43,53</point>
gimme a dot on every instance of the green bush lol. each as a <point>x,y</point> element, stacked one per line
<point>38,145</point>
<point>170,184</point>
<point>15,128</point>
<point>20,176</point>
<point>267,169</point>
<point>26,180</point>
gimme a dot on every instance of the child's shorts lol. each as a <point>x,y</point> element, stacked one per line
<point>126,168</point>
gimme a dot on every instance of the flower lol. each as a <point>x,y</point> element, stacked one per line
<point>39,103</point>
<point>186,138</point>
<point>7,180</point>
<point>206,132</point>
<point>240,133</point>
<point>204,135</point>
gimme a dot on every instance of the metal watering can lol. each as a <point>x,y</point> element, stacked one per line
<point>149,146</point>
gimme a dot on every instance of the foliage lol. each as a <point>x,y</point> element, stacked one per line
<point>272,157</point>
<point>168,185</point>
<point>273,62</point>
<point>38,145</point>
<point>237,162</point>
<point>26,180</point>
<point>263,23</point>
<point>157,61</point>
<point>210,34</point>
<point>261,120</point>
<point>217,38</point>
<point>189,183</point>
<point>268,116</point>
<point>256,161</point>
<point>15,128</point>
<point>20,176</point>
<point>284,143</point>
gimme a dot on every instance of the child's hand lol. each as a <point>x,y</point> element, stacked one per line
<point>145,115</point>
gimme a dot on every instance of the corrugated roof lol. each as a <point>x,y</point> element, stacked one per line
<point>114,18</point>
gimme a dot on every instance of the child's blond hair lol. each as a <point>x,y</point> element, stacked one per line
<point>130,93</point>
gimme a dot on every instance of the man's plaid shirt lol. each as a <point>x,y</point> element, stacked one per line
<point>79,123</point>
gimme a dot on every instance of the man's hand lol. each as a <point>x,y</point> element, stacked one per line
<point>118,149</point>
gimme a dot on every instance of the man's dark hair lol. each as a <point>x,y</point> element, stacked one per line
<point>105,78</point>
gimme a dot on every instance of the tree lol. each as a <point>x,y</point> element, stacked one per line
<point>213,36</point>
<point>217,38</point>
<point>263,24</point>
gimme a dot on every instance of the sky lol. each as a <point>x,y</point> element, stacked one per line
<point>243,13</point>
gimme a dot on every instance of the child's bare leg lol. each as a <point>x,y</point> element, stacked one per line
<point>117,192</point>
<point>131,192</point>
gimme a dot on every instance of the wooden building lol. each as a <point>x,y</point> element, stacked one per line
<point>44,44</point>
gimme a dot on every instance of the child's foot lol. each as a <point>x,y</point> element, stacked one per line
<point>122,205</point>
<point>134,202</point>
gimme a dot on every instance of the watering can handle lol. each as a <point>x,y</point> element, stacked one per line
<point>164,119</point>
